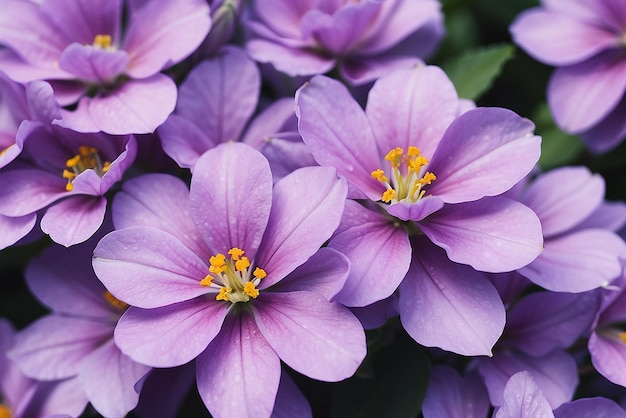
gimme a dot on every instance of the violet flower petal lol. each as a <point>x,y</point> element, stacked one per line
<point>238,374</point>
<point>577,262</point>
<point>81,20</point>
<point>544,321</point>
<point>609,216</point>
<point>379,252</point>
<point>172,335</point>
<point>93,64</point>
<point>63,280</point>
<point>163,33</point>
<point>493,234</point>
<point>559,39</point>
<point>290,402</point>
<point>564,197</point>
<point>343,140</point>
<point>137,106</point>
<point>450,395</point>
<point>324,273</point>
<point>306,209</point>
<point>220,95</point>
<point>291,61</point>
<point>581,95</point>
<point>231,206</point>
<point>54,346</point>
<point>411,107</point>
<point>74,220</point>
<point>590,408</point>
<point>555,374</point>
<point>484,152</point>
<point>148,268</point>
<point>523,399</point>
<point>15,228</point>
<point>320,339</point>
<point>608,355</point>
<point>609,132</point>
<point>184,141</point>
<point>448,305</point>
<point>25,29</point>
<point>25,191</point>
<point>160,201</point>
<point>108,378</point>
<point>415,211</point>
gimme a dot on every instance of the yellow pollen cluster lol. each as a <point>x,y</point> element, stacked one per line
<point>622,337</point>
<point>406,183</point>
<point>103,41</point>
<point>86,159</point>
<point>5,412</point>
<point>232,276</point>
<point>115,302</point>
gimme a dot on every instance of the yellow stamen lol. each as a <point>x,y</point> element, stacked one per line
<point>250,289</point>
<point>207,281</point>
<point>406,183</point>
<point>73,162</point>
<point>235,253</point>
<point>115,302</point>
<point>379,175</point>
<point>86,159</point>
<point>393,157</point>
<point>103,41</point>
<point>242,264</point>
<point>5,412</point>
<point>388,196</point>
<point>259,273</point>
<point>223,295</point>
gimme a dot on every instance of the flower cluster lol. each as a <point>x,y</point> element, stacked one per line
<point>254,208</point>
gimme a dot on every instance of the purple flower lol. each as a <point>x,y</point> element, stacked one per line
<point>231,273</point>
<point>444,192</point>
<point>450,395</point>
<point>13,110</point>
<point>76,339</point>
<point>364,39</point>
<point>539,328</point>
<point>23,397</point>
<point>607,343</point>
<point>109,67</point>
<point>64,171</point>
<point>585,40</point>
<point>524,399</point>
<point>582,251</point>
<point>215,103</point>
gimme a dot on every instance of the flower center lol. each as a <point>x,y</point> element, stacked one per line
<point>406,176</point>
<point>115,302</point>
<point>86,159</point>
<point>5,412</point>
<point>233,276</point>
<point>103,42</point>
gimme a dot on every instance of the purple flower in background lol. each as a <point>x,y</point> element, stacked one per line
<point>539,328</point>
<point>108,67</point>
<point>23,397</point>
<point>582,251</point>
<point>365,39</point>
<point>445,193</point>
<point>523,398</point>
<point>215,103</point>
<point>586,41</point>
<point>65,171</point>
<point>607,343</point>
<point>450,395</point>
<point>76,339</point>
<point>231,273</point>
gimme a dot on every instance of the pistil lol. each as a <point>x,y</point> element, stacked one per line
<point>86,159</point>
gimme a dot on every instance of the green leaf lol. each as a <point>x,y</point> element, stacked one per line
<point>474,71</point>
<point>557,147</point>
